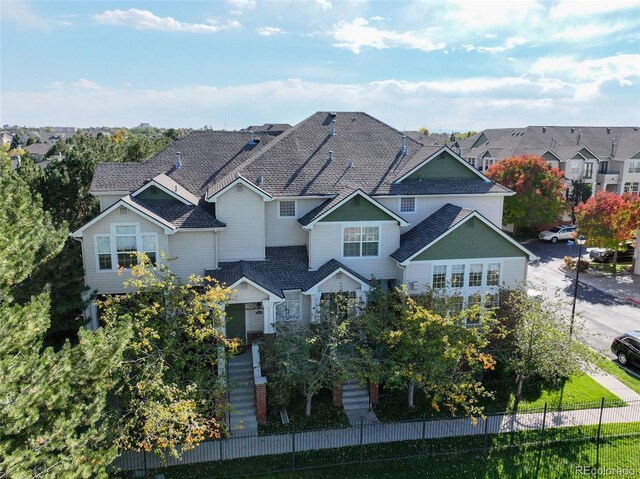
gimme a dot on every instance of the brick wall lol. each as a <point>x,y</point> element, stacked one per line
<point>261,403</point>
<point>337,395</point>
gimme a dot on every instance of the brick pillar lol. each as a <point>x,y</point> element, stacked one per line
<point>261,403</point>
<point>337,394</point>
<point>373,392</point>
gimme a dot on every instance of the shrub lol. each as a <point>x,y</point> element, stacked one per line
<point>570,263</point>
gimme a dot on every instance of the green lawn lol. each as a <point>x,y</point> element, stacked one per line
<point>612,367</point>
<point>607,268</point>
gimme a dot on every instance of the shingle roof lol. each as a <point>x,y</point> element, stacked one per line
<point>179,214</point>
<point>284,268</point>
<point>429,229</point>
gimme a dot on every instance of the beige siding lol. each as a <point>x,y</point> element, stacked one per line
<point>193,252</point>
<point>305,308</point>
<point>419,273</point>
<point>334,285</point>
<point>243,213</point>
<point>108,200</point>
<point>488,206</point>
<point>287,231</point>
<point>250,294</point>
<point>109,282</point>
<point>514,271</point>
<point>254,321</point>
<point>325,243</point>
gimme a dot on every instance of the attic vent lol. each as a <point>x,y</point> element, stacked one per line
<point>251,140</point>
<point>123,210</point>
<point>338,275</point>
<point>243,285</point>
<point>470,223</point>
<point>239,188</point>
<point>332,129</point>
<point>154,191</point>
<point>355,201</point>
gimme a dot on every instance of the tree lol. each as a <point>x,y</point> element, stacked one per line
<point>539,190</point>
<point>424,130</point>
<point>608,220</point>
<point>538,342</point>
<point>51,402</point>
<point>16,142</point>
<point>580,192</point>
<point>169,391</point>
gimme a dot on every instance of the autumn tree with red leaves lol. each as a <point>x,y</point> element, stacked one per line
<point>608,220</point>
<point>539,190</point>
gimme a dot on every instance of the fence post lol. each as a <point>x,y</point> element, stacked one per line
<point>293,449</point>
<point>599,431</point>
<point>486,433</point>
<point>424,433</point>
<point>361,438</point>
<point>220,442</point>
<point>544,422</point>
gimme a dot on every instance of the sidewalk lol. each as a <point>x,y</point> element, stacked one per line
<point>614,385</point>
<point>625,287</point>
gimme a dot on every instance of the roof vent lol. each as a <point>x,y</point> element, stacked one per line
<point>251,140</point>
<point>573,130</point>
<point>608,131</point>
<point>260,180</point>
<point>330,156</point>
<point>350,165</point>
<point>403,145</point>
<point>332,130</point>
<point>613,147</point>
<point>178,160</point>
<point>544,129</point>
<point>333,114</point>
<point>579,135</point>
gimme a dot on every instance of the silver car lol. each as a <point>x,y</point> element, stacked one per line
<point>558,233</point>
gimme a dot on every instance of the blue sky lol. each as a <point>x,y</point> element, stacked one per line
<point>444,65</point>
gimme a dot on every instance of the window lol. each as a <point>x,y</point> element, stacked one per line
<point>457,276</point>
<point>588,170</point>
<point>343,303</point>
<point>289,309</point>
<point>361,241</point>
<point>126,246</point>
<point>103,250</point>
<point>603,167</point>
<point>493,274</point>
<point>287,209</point>
<point>474,300</point>
<point>574,167</point>
<point>408,205</point>
<point>488,162</point>
<point>457,304</point>
<point>439,277</point>
<point>492,300</point>
<point>632,188</point>
<point>149,247</point>
<point>475,275</point>
<point>634,166</point>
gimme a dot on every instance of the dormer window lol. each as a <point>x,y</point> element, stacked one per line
<point>408,205</point>
<point>287,209</point>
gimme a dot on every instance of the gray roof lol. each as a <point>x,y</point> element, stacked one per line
<point>284,268</point>
<point>428,230</point>
<point>179,214</point>
<point>564,141</point>
<point>366,154</point>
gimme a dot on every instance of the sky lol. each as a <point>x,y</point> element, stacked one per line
<point>456,65</point>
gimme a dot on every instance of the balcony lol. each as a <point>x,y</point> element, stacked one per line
<point>608,177</point>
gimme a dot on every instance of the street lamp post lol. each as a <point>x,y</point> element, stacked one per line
<point>581,240</point>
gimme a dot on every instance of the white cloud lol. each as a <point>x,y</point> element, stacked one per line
<point>242,4</point>
<point>270,31</point>
<point>64,23</point>
<point>146,20</point>
<point>511,42</point>
<point>473,15</point>
<point>589,31</point>
<point>21,14</point>
<point>358,34</point>
<point>625,69</point>
<point>86,84</point>
<point>378,18</point>
<point>578,8</point>
<point>324,4</point>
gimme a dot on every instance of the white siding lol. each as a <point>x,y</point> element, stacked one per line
<point>250,294</point>
<point>194,251</point>
<point>243,213</point>
<point>335,285</point>
<point>419,273</point>
<point>325,243</point>
<point>488,206</point>
<point>108,200</point>
<point>110,282</point>
<point>287,231</point>
<point>254,321</point>
<point>514,271</point>
<point>305,308</point>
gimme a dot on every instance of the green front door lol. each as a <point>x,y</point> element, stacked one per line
<point>236,325</point>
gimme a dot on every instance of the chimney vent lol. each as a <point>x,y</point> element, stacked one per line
<point>260,180</point>
<point>544,129</point>
<point>573,130</point>
<point>579,135</point>
<point>350,165</point>
<point>332,130</point>
<point>613,147</point>
<point>403,145</point>
<point>330,156</point>
<point>251,140</point>
<point>178,160</point>
<point>608,131</point>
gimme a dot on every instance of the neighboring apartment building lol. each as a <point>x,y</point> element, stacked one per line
<point>606,158</point>
<point>290,218</point>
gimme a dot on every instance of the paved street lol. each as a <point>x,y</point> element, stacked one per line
<point>604,315</point>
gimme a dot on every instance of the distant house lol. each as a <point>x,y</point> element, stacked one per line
<point>608,158</point>
<point>38,151</point>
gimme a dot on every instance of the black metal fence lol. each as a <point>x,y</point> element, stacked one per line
<point>593,439</point>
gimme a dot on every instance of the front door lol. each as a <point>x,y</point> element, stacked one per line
<point>236,325</point>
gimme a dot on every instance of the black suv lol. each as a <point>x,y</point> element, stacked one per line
<point>627,348</point>
<point>604,255</point>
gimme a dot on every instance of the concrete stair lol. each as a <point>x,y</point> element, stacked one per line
<point>242,418</point>
<point>355,396</point>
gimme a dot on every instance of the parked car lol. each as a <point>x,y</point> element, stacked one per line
<point>558,233</point>
<point>627,348</point>
<point>605,255</point>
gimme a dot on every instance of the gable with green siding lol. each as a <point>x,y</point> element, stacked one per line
<point>358,209</point>
<point>472,239</point>
<point>155,193</point>
<point>550,156</point>
<point>443,166</point>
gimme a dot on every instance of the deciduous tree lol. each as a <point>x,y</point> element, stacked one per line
<point>539,190</point>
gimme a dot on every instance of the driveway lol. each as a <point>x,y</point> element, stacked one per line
<point>605,315</point>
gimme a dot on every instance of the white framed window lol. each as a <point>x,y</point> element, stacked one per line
<point>103,253</point>
<point>574,167</point>
<point>588,170</point>
<point>149,247</point>
<point>493,274</point>
<point>634,166</point>
<point>117,250</point>
<point>126,245</point>
<point>286,209</point>
<point>361,241</point>
<point>475,275</point>
<point>289,309</point>
<point>439,277</point>
<point>408,204</point>
<point>457,276</point>
<point>488,162</point>
<point>457,304</point>
<point>632,188</point>
<point>492,300</point>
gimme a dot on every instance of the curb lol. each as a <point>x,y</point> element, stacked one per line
<point>571,275</point>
